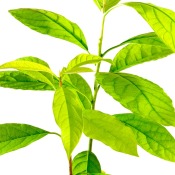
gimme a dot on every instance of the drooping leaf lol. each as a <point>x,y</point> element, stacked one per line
<point>19,80</point>
<point>105,5</point>
<point>139,95</point>
<point>151,136</point>
<point>68,115</point>
<point>134,54</point>
<point>15,136</point>
<point>109,130</point>
<point>160,19</point>
<point>85,163</point>
<point>81,86</point>
<point>52,24</point>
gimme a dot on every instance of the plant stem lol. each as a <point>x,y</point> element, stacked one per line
<point>96,85</point>
<point>70,166</point>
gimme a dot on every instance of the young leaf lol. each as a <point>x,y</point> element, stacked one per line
<point>19,80</point>
<point>52,24</point>
<point>68,115</point>
<point>15,136</point>
<point>78,83</point>
<point>139,95</point>
<point>76,70</point>
<point>134,54</point>
<point>109,130</point>
<point>160,19</point>
<point>85,163</point>
<point>151,136</point>
<point>105,5</point>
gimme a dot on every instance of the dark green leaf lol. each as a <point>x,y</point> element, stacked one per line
<point>52,24</point>
<point>109,130</point>
<point>151,136</point>
<point>139,95</point>
<point>85,163</point>
<point>160,19</point>
<point>16,136</point>
<point>68,115</point>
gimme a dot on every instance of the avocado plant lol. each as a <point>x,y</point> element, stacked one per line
<point>74,102</point>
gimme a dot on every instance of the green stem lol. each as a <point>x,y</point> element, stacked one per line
<point>96,85</point>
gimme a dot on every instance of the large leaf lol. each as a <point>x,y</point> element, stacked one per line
<point>19,80</point>
<point>160,19</point>
<point>109,130</point>
<point>52,24</point>
<point>16,136</point>
<point>151,136</point>
<point>139,95</point>
<point>134,54</point>
<point>105,5</point>
<point>78,83</point>
<point>68,115</point>
<point>85,163</point>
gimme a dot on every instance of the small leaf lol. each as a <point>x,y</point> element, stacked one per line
<point>68,115</point>
<point>85,163</point>
<point>160,19</point>
<point>78,83</point>
<point>52,24</point>
<point>19,80</point>
<point>151,136</point>
<point>105,5</point>
<point>134,54</point>
<point>139,95</point>
<point>78,70</point>
<point>15,136</point>
<point>109,130</point>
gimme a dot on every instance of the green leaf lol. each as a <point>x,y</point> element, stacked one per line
<point>68,115</point>
<point>139,95</point>
<point>151,136</point>
<point>78,70</point>
<point>85,163</point>
<point>109,130</point>
<point>78,83</point>
<point>134,54</point>
<point>15,136</point>
<point>52,24</point>
<point>105,5</point>
<point>160,19</point>
<point>19,80</point>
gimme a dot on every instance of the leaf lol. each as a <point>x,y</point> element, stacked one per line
<point>78,83</point>
<point>85,163</point>
<point>109,130</point>
<point>19,80</point>
<point>105,5</point>
<point>83,59</point>
<point>139,95</point>
<point>52,24</point>
<point>134,54</point>
<point>160,19</point>
<point>15,136</point>
<point>68,115</point>
<point>78,70</point>
<point>151,136</point>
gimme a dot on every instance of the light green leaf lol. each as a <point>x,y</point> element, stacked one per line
<point>78,83</point>
<point>19,80</point>
<point>68,115</point>
<point>151,136</point>
<point>105,5</point>
<point>78,70</point>
<point>160,19</point>
<point>85,163</point>
<point>139,95</point>
<point>134,54</point>
<point>15,136</point>
<point>26,65</point>
<point>52,24</point>
<point>109,130</point>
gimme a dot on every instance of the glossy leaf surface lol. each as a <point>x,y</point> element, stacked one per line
<point>139,95</point>
<point>109,130</point>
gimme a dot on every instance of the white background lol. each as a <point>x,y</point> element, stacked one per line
<point>47,155</point>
